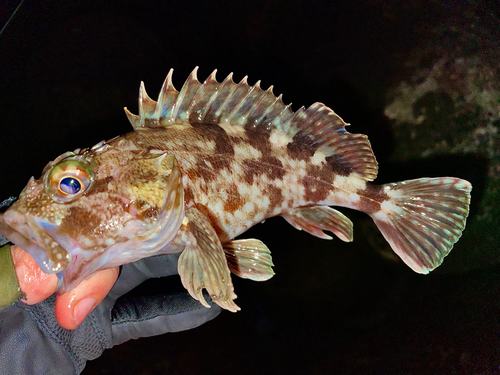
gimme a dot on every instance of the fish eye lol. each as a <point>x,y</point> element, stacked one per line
<point>69,179</point>
<point>70,185</point>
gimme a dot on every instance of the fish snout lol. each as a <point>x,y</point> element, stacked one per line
<point>18,222</point>
<point>14,218</point>
<point>25,232</point>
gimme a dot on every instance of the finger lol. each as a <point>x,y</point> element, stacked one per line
<point>33,282</point>
<point>147,316</point>
<point>38,286</point>
<point>72,307</point>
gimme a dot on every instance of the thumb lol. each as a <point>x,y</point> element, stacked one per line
<point>33,282</point>
<point>73,307</point>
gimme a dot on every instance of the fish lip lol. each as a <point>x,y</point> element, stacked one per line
<point>20,230</point>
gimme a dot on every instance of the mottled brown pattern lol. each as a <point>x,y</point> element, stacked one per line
<point>201,171</point>
<point>301,147</point>
<point>268,165</point>
<point>373,197</point>
<point>323,172</point>
<point>237,140</point>
<point>188,195</point>
<point>315,189</point>
<point>100,185</point>
<point>143,170</point>
<point>145,211</point>
<point>210,172</point>
<point>318,182</point>
<point>236,174</point>
<point>168,139</point>
<point>218,135</point>
<point>150,214</point>
<point>82,221</point>
<point>87,220</point>
<point>259,139</point>
<point>235,200</point>
<point>275,198</point>
<point>339,166</point>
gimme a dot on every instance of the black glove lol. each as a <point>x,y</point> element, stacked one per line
<point>33,342</point>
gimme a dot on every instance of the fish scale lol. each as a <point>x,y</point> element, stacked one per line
<point>206,163</point>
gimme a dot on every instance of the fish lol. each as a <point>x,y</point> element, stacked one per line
<point>203,165</point>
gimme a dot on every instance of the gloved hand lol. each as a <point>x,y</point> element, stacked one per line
<point>33,342</point>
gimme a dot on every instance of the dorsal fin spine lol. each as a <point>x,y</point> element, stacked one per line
<point>204,112</point>
<point>168,93</point>
<point>166,100</point>
<point>148,108</point>
<point>135,120</point>
<point>212,81</point>
<point>224,86</point>
<point>142,96</point>
<point>298,118</point>
<point>282,119</point>
<point>267,108</point>
<point>183,99</point>
<point>240,113</point>
<point>240,90</point>
<point>201,101</point>
<point>261,106</point>
<point>278,101</point>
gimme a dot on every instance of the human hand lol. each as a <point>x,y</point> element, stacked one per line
<point>48,348</point>
<point>71,307</point>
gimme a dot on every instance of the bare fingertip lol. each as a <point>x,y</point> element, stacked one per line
<point>83,308</point>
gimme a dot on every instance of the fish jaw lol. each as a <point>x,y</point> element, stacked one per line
<point>57,253</point>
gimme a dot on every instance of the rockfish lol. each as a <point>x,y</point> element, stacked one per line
<point>205,164</point>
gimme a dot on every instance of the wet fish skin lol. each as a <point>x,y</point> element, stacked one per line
<point>205,164</point>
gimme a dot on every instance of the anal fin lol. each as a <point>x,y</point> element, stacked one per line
<point>316,219</point>
<point>203,265</point>
<point>249,259</point>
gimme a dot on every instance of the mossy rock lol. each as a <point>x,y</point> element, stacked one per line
<point>451,111</point>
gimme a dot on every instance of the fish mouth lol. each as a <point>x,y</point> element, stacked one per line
<point>27,233</point>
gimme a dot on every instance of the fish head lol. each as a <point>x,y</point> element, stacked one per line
<point>97,209</point>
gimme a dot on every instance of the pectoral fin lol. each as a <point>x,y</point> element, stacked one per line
<point>249,259</point>
<point>202,264</point>
<point>316,219</point>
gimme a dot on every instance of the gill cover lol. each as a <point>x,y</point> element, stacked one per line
<point>156,210</point>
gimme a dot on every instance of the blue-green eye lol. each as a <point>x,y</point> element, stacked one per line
<point>70,185</point>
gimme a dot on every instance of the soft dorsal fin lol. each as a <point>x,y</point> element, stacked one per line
<point>239,106</point>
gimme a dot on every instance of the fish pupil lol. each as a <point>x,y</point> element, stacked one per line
<point>70,185</point>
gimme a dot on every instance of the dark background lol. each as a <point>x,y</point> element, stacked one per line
<point>69,67</point>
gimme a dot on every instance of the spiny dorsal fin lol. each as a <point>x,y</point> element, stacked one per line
<point>239,107</point>
<point>166,100</point>
<point>210,102</point>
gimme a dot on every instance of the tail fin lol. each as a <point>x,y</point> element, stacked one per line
<point>423,218</point>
